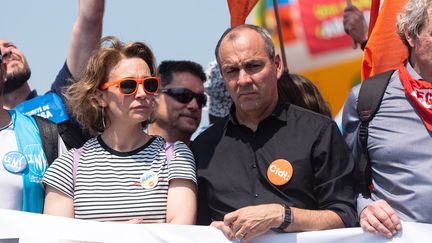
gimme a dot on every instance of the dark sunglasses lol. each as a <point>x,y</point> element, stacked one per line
<point>129,86</point>
<point>185,96</point>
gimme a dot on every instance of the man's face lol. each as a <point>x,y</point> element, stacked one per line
<point>2,75</point>
<point>174,115</point>
<point>249,74</point>
<point>18,70</point>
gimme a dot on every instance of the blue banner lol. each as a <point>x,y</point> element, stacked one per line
<point>49,106</point>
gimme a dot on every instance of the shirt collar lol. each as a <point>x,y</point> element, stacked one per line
<point>280,112</point>
<point>412,72</point>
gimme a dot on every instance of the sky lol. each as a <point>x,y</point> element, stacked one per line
<point>176,30</point>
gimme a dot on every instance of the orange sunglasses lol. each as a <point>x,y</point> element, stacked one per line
<point>129,86</point>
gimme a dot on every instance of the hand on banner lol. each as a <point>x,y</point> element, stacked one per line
<point>225,229</point>
<point>379,217</point>
<point>249,222</point>
<point>355,24</point>
<point>135,221</point>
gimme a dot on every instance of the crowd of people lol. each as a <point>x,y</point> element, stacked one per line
<point>272,160</point>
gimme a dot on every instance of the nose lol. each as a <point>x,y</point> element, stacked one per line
<point>6,52</point>
<point>140,93</point>
<point>244,78</point>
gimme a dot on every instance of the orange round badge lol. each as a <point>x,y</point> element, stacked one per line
<point>280,172</point>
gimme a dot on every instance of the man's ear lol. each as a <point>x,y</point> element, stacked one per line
<point>410,40</point>
<point>278,63</point>
<point>100,97</point>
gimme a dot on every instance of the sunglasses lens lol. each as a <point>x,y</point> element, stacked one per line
<point>128,86</point>
<point>201,100</point>
<point>151,85</point>
<point>185,96</point>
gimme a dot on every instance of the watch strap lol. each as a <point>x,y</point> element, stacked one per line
<point>287,220</point>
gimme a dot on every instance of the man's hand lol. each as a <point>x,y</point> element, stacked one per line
<point>379,217</point>
<point>249,222</point>
<point>225,229</point>
<point>355,24</point>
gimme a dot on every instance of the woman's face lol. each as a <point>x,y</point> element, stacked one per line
<point>128,109</point>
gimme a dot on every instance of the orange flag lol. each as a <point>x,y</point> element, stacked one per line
<point>384,50</point>
<point>239,10</point>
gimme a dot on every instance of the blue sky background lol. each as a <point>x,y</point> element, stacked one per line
<point>187,29</point>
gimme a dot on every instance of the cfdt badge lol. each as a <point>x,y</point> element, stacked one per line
<point>149,179</point>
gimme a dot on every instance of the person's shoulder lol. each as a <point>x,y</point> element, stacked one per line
<point>90,145</point>
<point>180,146</point>
<point>303,113</point>
<point>208,139</point>
<point>214,131</point>
<point>355,90</point>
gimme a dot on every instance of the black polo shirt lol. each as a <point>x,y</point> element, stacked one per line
<point>232,163</point>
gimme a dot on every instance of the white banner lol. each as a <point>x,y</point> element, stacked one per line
<point>19,227</point>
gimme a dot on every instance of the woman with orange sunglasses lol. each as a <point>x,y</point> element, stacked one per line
<point>123,174</point>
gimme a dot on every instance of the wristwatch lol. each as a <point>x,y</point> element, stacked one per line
<point>288,219</point>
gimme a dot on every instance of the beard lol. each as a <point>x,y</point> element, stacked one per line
<point>17,78</point>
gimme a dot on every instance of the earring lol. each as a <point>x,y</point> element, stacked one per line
<point>103,118</point>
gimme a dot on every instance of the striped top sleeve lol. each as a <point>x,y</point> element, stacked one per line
<point>182,164</point>
<point>59,174</point>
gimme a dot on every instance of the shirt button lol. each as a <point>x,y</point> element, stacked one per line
<point>256,195</point>
<point>253,166</point>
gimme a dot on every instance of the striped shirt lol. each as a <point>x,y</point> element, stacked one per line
<point>108,186</point>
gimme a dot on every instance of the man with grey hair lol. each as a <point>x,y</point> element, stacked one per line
<point>269,165</point>
<point>399,141</point>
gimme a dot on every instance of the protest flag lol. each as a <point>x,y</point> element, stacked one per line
<point>384,49</point>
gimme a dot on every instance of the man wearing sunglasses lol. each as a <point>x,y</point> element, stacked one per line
<point>180,101</point>
<point>269,165</point>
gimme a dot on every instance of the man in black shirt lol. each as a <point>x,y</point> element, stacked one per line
<point>269,165</point>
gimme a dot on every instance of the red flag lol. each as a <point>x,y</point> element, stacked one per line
<point>384,50</point>
<point>239,10</point>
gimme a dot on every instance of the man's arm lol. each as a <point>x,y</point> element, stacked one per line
<point>86,34</point>
<point>249,222</point>
<point>375,216</point>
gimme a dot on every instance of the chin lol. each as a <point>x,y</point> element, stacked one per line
<point>189,129</point>
<point>249,105</point>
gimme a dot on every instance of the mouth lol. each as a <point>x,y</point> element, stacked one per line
<point>246,94</point>
<point>140,107</point>
<point>189,117</point>
<point>11,63</point>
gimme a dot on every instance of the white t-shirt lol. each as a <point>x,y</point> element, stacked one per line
<point>10,183</point>
<point>108,183</point>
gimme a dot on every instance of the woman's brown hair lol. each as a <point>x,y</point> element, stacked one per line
<point>81,96</point>
<point>300,91</point>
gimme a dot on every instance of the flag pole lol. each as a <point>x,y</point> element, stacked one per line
<point>279,30</point>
